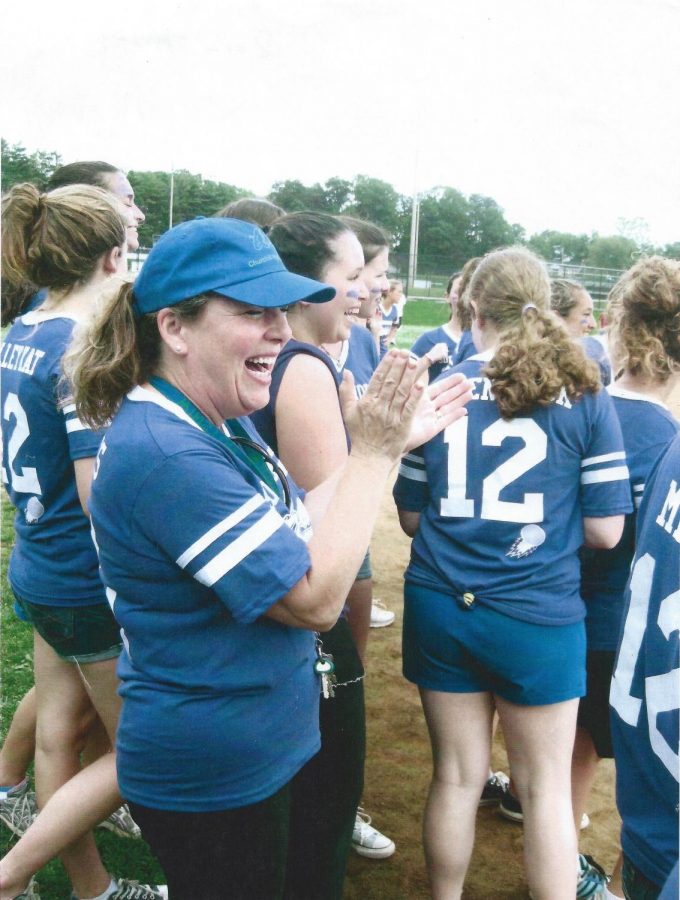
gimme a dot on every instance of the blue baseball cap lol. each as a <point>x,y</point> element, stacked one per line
<point>220,256</point>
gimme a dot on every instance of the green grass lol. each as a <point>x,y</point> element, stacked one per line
<point>420,316</point>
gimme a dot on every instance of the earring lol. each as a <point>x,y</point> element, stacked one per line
<point>178,348</point>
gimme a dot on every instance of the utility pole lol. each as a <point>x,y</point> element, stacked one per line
<point>413,246</point>
<point>172,196</point>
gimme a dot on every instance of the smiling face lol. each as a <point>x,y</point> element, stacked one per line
<point>452,296</point>
<point>374,276</point>
<point>344,272</point>
<point>118,184</point>
<point>227,356</point>
<point>580,320</point>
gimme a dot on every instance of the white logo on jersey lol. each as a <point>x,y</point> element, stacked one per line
<point>34,510</point>
<point>530,538</point>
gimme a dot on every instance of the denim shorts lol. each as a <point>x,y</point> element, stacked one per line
<point>82,634</point>
<point>365,571</point>
<point>453,648</point>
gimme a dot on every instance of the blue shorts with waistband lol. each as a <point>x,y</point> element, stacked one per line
<point>451,647</point>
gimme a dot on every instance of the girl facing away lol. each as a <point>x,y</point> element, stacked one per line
<point>644,337</point>
<point>499,506</point>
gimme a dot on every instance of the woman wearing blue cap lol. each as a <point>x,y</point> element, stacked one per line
<point>217,573</point>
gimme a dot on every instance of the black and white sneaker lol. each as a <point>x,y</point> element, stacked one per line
<point>495,789</point>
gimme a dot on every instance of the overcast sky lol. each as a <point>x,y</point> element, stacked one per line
<point>566,113</point>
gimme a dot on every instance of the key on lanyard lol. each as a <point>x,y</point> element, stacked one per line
<point>325,667</point>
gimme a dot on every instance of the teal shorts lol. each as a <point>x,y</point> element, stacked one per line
<point>457,649</point>
<point>79,634</point>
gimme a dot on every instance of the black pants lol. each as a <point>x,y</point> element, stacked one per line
<point>327,790</point>
<point>637,886</point>
<point>238,854</point>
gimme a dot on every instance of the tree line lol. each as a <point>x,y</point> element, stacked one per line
<point>453,227</point>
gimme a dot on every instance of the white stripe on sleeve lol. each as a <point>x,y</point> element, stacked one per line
<point>76,425</point>
<point>606,457</point>
<point>617,473</point>
<point>411,473</point>
<point>218,530</point>
<point>237,551</point>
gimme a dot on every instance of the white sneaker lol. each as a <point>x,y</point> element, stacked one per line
<point>368,841</point>
<point>121,823</point>
<point>381,617</point>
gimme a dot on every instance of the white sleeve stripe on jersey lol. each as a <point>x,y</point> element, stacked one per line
<point>237,551</point>
<point>75,425</point>
<point>618,473</point>
<point>411,457</point>
<point>412,474</point>
<point>69,408</point>
<point>639,488</point>
<point>218,530</point>
<point>606,457</point>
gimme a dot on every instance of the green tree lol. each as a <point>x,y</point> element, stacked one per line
<point>560,246</point>
<point>487,227</point>
<point>672,251</point>
<point>293,196</point>
<point>377,201</point>
<point>18,165</point>
<point>442,240</point>
<point>339,194</point>
<point>613,252</point>
<point>193,196</point>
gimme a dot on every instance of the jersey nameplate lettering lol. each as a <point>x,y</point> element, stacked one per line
<point>20,358</point>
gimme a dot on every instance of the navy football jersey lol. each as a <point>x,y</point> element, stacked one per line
<point>427,341</point>
<point>194,549</point>
<point>648,427</point>
<point>595,350</point>
<point>360,356</point>
<point>389,318</point>
<point>502,501</point>
<point>53,561</point>
<point>645,691</point>
<point>466,348</point>
<point>265,419</point>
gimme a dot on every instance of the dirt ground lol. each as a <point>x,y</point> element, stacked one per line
<point>398,769</point>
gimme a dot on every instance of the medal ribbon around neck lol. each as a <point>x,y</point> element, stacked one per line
<point>240,445</point>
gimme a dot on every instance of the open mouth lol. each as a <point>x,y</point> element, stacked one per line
<point>354,311</point>
<point>261,364</point>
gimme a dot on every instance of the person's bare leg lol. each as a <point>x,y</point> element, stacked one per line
<point>18,748</point>
<point>62,703</point>
<point>583,769</point>
<point>359,601</point>
<point>71,812</point>
<point>615,884</point>
<point>460,734</point>
<point>98,743</point>
<point>539,741</point>
<point>101,683</point>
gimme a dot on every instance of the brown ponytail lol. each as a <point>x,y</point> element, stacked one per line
<point>116,351</point>
<point>644,329</point>
<point>535,357</point>
<point>55,240</point>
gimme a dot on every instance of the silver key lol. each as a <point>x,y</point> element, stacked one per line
<point>327,682</point>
